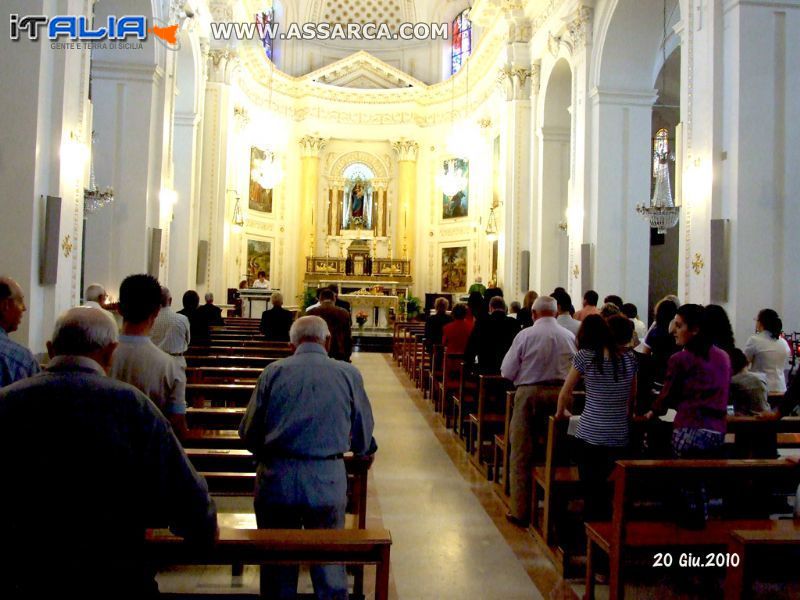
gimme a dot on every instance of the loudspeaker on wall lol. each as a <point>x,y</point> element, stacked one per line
<point>524,269</point>
<point>202,261</point>
<point>48,269</point>
<point>155,252</point>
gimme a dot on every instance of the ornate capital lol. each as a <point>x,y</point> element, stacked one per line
<point>515,81</point>
<point>406,149</point>
<point>221,65</point>
<point>311,146</point>
<point>580,29</point>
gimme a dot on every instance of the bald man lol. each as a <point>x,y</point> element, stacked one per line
<point>16,361</point>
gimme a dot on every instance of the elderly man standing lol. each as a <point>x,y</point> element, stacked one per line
<point>138,361</point>
<point>210,312</point>
<point>170,330</point>
<point>537,362</point>
<point>88,463</point>
<point>276,321</point>
<point>306,411</point>
<point>95,296</point>
<point>16,361</point>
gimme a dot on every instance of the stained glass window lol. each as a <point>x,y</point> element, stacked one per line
<point>264,20</point>
<point>462,41</point>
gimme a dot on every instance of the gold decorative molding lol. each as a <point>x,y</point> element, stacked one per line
<point>406,149</point>
<point>576,271</point>
<point>697,263</point>
<point>66,245</point>
<point>311,146</point>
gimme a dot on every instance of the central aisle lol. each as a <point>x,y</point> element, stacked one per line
<point>445,545</point>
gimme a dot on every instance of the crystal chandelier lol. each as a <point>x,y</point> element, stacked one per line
<point>662,212</point>
<point>93,198</point>
<point>451,180</point>
<point>268,172</point>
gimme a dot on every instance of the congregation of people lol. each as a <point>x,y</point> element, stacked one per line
<point>92,440</point>
<point>686,360</point>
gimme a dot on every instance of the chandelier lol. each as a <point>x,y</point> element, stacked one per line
<point>268,173</point>
<point>491,226</point>
<point>661,212</point>
<point>93,198</point>
<point>451,180</point>
<point>238,215</point>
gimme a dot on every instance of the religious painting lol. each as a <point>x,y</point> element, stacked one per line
<point>456,205</point>
<point>259,199</point>
<point>259,254</point>
<point>454,269</point>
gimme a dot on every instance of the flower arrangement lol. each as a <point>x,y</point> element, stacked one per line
<point>357,222</point>
<point>361,318</point>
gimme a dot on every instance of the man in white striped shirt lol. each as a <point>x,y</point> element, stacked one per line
<point>171,331</point>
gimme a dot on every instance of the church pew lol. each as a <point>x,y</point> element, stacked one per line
<point>240,351</point>
<point>759,437</point>
<point>434,373</point>
<point>487,420</point>
<point>294,546</point>
<point>204,395</point>
<point>502,449</point>
<point>423,368</point>
<point>464,398</point>
<point>633,526</point>
<point>214,418</point>
<point>750,546</point>
<point>230,360</point>
<point>449,383</point>
<point>223,374</point>
<point>212,439</point>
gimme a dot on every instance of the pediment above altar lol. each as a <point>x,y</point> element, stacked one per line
<point>362,70</point>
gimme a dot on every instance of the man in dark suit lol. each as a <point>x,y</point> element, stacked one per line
<point>334,287</point>
<point>338,320</point>
<point>276,322</point>
<point>212,314</point>
<point>491,338</point>
<point>198,322</point>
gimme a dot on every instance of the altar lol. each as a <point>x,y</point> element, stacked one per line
<point>376,306</point>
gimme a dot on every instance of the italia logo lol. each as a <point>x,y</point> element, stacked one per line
<point>78,28</point>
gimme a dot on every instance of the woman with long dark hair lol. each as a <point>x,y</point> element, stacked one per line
<point>696,385</point>
<point>767,351</point>
<point>608,367</point>
<point>719,328</point>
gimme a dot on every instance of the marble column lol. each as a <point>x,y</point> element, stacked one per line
<point>515,79</point>
<point>407,152</point>
<point>310,149</point>
<point>218,172</point>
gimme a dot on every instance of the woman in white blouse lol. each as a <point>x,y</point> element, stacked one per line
<point>767,351</point>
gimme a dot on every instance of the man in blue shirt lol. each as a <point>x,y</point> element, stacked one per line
<point>16,361</point>
<point>306,412</point>
<point>88,464</point>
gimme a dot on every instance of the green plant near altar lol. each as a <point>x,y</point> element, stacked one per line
<point>307,298</point>
<point>410,305</point>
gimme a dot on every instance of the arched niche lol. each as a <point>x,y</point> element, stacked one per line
<point>342,178</point>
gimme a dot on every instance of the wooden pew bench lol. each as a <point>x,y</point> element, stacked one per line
<point>487,421</point>
<point>200,395</point>
<point>292,546</point>
<point>752,547</point>
<point>229,360</point>
<point>214,418</point>
<point>635,527</point>
<point>464,399</point>
<point>247,375</point>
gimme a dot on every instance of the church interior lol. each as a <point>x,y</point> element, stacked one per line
<point>638,148</point>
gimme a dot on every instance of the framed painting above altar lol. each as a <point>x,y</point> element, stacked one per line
<point>259,258</point>
<point>259,198</point>
<point>454,269</point>
<point>456,205</point>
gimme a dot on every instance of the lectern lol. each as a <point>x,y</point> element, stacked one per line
<point>255,302</point>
